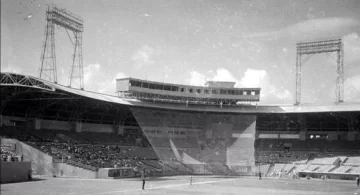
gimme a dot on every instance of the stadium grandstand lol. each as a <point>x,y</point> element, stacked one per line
<point>169,129</point>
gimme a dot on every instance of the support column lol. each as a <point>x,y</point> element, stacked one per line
<point>352,136</point>
<point>78,127</point>
<point>37,124</point>
<point>298,79</point>
<point>303,128</point>
<point>120,130</point>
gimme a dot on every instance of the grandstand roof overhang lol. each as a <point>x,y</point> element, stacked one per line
<point>55,91</point>
<point>251,109</point>
<point>31,97</point>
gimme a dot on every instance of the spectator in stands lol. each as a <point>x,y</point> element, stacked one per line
<point>358,180</point>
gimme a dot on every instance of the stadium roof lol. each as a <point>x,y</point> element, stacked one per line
<point>12,79</point>
<point>18,80</point>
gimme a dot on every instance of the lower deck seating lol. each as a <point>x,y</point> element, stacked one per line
<point>276,169</point>
<point>301,167</point>
<point>325,168</point>
<point>288,168</point>
<point>352,161</point>
<point>342,169</point>
<point>177,167</point>
<point>218,168</point>
<point>355,170</point>
<point>263,169</point>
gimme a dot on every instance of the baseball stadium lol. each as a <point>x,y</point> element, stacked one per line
<point>167,138</point>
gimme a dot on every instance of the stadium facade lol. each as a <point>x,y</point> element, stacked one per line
<point>212,129</point>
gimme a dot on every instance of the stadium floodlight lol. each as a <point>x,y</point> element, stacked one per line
<point>310,48</point>
<point>73,23</point>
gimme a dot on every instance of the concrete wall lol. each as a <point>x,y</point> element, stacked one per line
<point>102,128</point>
<point>344,176</point>
<point>55,125</point>
<point>115,173</point>
<point>6,120</point>
<point>41,163</point>
<point>66,170</point>
<point>14,171</point>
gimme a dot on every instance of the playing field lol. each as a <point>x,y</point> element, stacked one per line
<point>180,185</point>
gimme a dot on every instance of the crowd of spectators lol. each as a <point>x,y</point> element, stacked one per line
<point>96,156</point>
<point>9,156</point>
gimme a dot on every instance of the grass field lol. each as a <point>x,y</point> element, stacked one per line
<point>180,185</point>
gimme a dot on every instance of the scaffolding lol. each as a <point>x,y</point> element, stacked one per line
<point>70,22</point>
<point>307,50</point>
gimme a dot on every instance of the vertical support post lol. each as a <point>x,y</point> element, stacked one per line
<point>53,52</point>
<point>298,79</point>
<point>48,55</point>
<point>340,74</point>
<point>76,75</point>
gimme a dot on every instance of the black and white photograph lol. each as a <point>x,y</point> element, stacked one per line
<point>180,97</point>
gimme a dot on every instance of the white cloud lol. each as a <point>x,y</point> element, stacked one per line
<point>120,75</point>
<point>252,78</point>
<point>98,80</point>
<point>12,69</point>
<point>196,79</point>
<point>143,57</point>
<point>89,71</point>
<point>352,88</point>
<point>351,48</point>
<point>269,92</point>
<point>223,74</point>
<point>109,86</point>
<point>314,27</point>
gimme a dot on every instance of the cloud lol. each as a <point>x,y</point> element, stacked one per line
<point>352,88</point>
<point>269,92</point>
<point>11,69</point>
<point>252,78</point>
<point>221,74</point>
<point>89,71</point>
<point>351,48</point>
<point>98,80</point>
<point>196,79</point>
<point>143,57</point>
<point>109,86</point>
<point>314,27</point>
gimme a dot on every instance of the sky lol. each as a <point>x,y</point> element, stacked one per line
<point>251,42</point>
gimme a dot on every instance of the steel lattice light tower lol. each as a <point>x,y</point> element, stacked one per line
<point>73,23</point>
<point>310,48</point>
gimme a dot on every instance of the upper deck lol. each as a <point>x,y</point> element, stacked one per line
<point>214,92</point>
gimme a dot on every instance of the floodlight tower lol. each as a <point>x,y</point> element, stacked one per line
<point>310,48</point>
<point>73,23</point>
